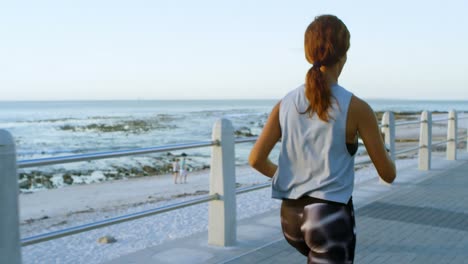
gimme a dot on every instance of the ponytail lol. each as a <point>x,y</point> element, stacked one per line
<point>317,91</point>
<point>326,42</point>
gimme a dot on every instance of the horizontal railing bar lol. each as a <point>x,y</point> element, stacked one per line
<point>407,150</point>
<point>439,143</point>
<point>110,154</point>
<point>366,161</point>
<point>116,220</point>
<point>244,140</point>
<point>253,187</point>
<point>418,121</point>
<point>440,120</point>
<point>407,123</point>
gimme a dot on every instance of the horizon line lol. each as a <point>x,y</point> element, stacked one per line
<point>198,99</point>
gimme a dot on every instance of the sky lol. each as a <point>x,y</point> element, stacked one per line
<point>244,49</point>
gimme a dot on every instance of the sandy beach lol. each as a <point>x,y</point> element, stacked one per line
<point>63,206</point>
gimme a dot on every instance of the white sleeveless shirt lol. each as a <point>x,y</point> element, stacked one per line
<point>314,159</point>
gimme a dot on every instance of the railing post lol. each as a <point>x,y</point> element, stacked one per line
<point>425,141</point>
<point>388,128</point>
<point>222,223</point>
<point>452,136</point>
<point>10,251</point>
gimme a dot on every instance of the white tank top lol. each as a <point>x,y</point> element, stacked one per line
<point>314,159</point>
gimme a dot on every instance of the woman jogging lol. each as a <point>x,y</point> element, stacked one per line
<point>318,124</point>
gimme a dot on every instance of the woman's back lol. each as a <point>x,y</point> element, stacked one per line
<point>314,159</point>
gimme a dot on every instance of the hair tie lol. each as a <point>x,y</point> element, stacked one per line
<point>317,64</point>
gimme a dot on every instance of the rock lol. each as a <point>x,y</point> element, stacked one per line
<point>110,174</point>
<point>24,184</point>
<point>149,169</point>
<point>68,127</point>
<point>135,171</point>
<point>47,183</point>
<point>67,178</point>
<point>107,240</point>
<point>244,131</point>
<point>121,170</point>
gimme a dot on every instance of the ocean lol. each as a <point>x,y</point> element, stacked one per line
<point>59,128</point>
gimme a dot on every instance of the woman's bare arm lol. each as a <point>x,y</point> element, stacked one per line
<point>370,133</point>
<point>270,135</point>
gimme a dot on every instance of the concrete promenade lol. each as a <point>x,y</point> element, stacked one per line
<point>421,218</point>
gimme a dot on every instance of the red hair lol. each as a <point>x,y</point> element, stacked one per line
<point>326,41</point>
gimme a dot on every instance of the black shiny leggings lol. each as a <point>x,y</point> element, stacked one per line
<point>323,231</point>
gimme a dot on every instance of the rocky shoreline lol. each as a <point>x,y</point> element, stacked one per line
<point>36,179</point>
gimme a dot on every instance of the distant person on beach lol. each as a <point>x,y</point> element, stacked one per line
<point>183,169</point>
<point>318,124</point>
<point>175,169</point>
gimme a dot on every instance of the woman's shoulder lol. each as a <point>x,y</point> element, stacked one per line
<point>360,103</point>
<point>340,90</point>
<point>359,107</point>
<point>294,92</point>
<point>294,95</point>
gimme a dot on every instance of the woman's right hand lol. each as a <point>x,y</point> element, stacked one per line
<point>270,135</point>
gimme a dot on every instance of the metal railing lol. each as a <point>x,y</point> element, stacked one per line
<point>111,154</point>
<point>222,184</point>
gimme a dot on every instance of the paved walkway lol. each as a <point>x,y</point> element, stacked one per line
<point>421,218</point>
